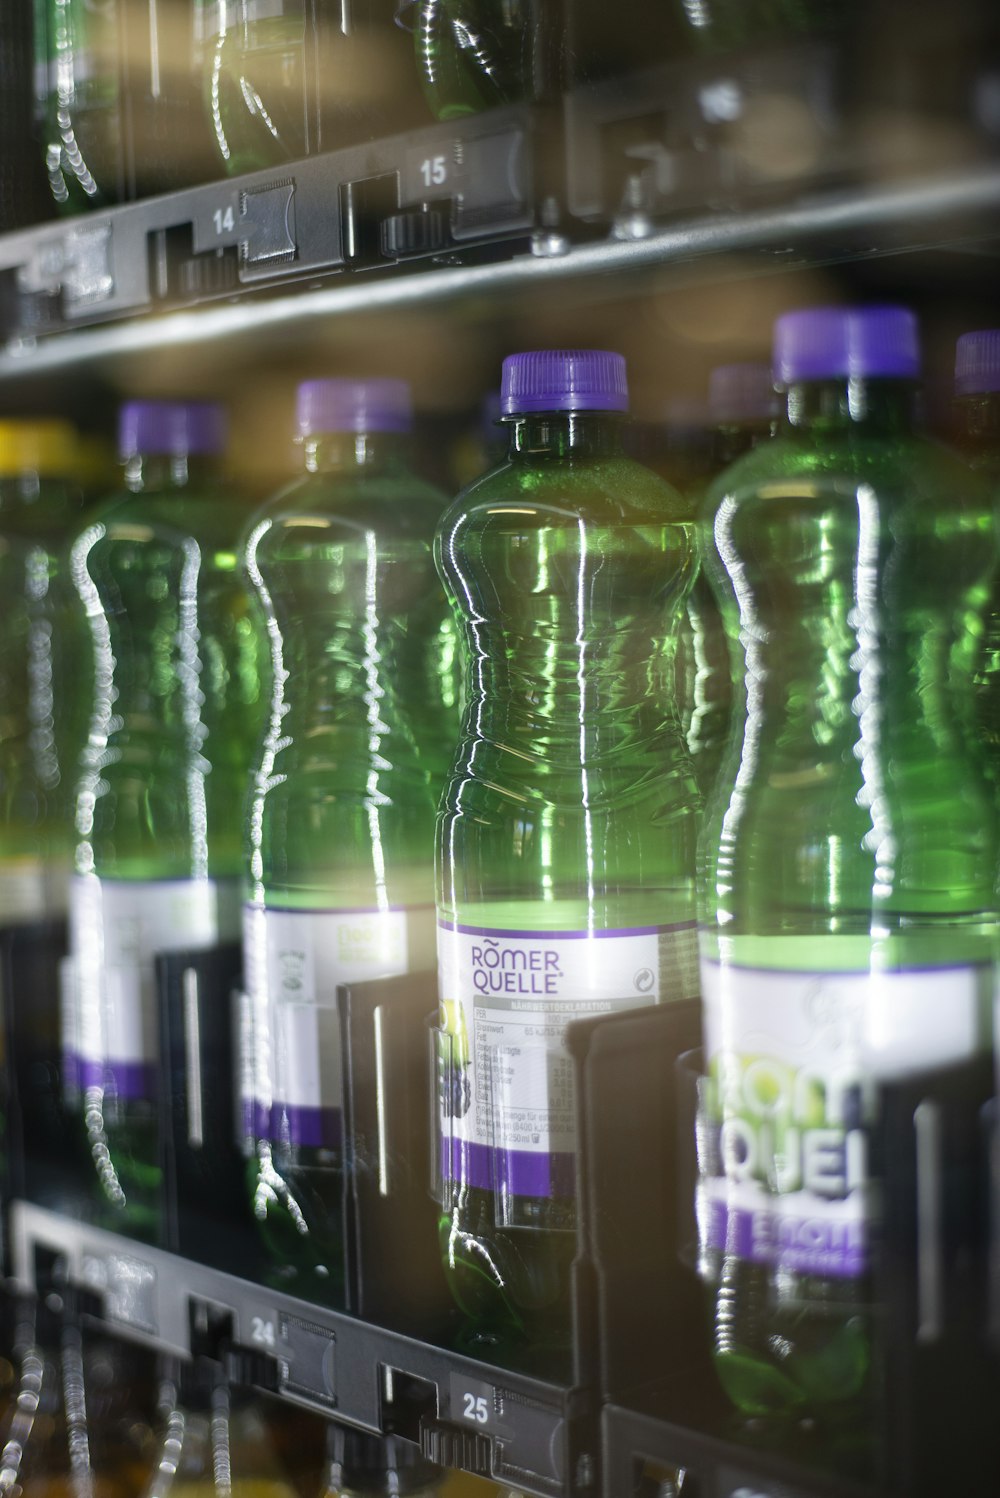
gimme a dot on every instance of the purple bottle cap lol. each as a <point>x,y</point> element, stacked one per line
<point>977,362</point>
<point>563,380</point>
<point>739,393</point>
<point>825,343</point>
<point>175,429</point>
<point>353,406</point>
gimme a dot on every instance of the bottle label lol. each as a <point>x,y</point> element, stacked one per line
<point>294,961</point>
<point>117,927</point>
<point>793,1063</point>
<point>506,1076</point>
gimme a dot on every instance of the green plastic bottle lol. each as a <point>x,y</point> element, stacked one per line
<point>565,839</point>
<point>473,55</point>
<point>79,105</point>
<point>162,782</point>
<point>40,731</point>
<point>284,79</point>
<point>341,823</point>
<point>847,907</point>
<point>977,435</point>
<point>255,66</point>
<point>730,25</point>
<point>743,410</point>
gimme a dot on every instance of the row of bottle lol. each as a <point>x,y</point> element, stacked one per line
<point>133,98</point>
<point>846,855</point>
<point>84,1414</point>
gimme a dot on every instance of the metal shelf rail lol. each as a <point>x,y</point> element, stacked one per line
<point>843,224</point>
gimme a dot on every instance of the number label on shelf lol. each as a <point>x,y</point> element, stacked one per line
<point>426,177</point>
<point>224,220</point>
<point>434,171</point>
<point>474,1403</point>
<point>475,1408</point>
<point>262,1332</point>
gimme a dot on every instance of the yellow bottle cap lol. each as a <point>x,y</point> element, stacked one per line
<point>48,448</point>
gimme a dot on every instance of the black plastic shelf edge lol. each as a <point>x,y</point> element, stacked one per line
<point>366,1376</point>
<point>919,214</point>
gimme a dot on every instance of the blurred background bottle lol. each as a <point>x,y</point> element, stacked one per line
<point>166,144</point>
<point>474,54</point>
<point>728,25</point>
<point>162,781</point>
<point>283,79</point>
<point>42,724</point>
<point>977,435</point>
<point>848,919</point>
<point>565,841</point>
<point>678,446</point>
<point>255,66</point>
<point>79,100</point>
<point>341,821</point>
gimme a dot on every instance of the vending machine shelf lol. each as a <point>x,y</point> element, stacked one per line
<point>529,1432</point>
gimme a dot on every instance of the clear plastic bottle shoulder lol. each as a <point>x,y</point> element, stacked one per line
<point>214,517</point>
<point>605,490</point>
<point>393,498</point>
<point>910,465</point>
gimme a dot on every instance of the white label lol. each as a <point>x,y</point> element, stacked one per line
<point>294,961</point>
<point>793,1060</point>
<point>117,927</point>
<point>506,1088</point>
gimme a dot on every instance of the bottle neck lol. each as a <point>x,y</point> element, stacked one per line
<point>161,471</point>
<point>732,440</point>
<point>337,452</point>
<point>978,420</point>
<point>887,407</point>
<point>564,434</point>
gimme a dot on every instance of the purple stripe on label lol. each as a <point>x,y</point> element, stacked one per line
<point>802,1244</point>
<point>503,933</point>
<point>71,1072</point>
<point>258,1117</point>
<point>510,1172</point>
<point>126,1079</point>
<point>290,1125</point>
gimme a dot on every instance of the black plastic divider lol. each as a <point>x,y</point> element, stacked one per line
<point>628,1270</point>
<point>394,1273</point>
<point>34,1124</point>
<point>393,1267</point>
<point>206,1211</point>
<point>942,1375</point>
